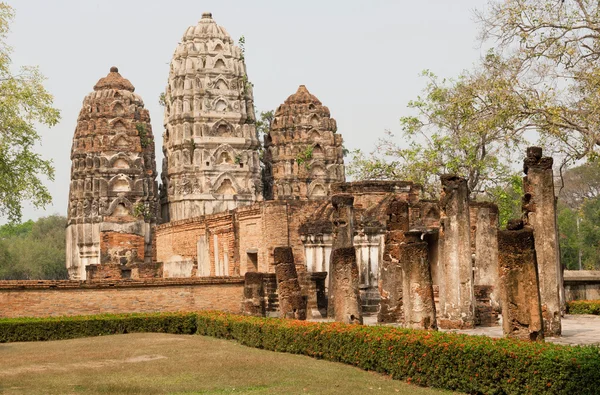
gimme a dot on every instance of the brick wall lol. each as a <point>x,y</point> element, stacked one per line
<point>60,298</point>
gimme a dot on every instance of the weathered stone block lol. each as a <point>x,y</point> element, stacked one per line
<point>344,296</point>
<point>291,302</point>
<point>419,306</point>
<point>457,302</point>
<point>254,295</point>
<point>521,312</point>
<point>539,208</point>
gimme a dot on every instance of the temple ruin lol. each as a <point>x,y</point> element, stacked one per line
<point>210,144</point>
<point>306,244</point>
<point>303,152</point>
<point>113,193</point>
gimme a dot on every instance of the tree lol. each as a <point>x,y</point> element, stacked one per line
<point>557,44</point>
<point>469,126</point>
<point>34,250</point>
<point>579,184</point>
<point>24,102</point>
<point>569,237</point>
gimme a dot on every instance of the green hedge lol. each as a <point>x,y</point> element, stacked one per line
<point>471,364</point>
<point>57,328</point>
<point>584,307</point>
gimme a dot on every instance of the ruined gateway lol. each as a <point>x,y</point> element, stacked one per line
<point>419,262</point>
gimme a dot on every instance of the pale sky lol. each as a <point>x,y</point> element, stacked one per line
<point>362,59</point>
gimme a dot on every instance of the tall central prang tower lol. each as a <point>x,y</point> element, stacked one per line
<point>210,143</point>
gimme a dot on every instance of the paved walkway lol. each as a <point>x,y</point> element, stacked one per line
<point>576,329</point>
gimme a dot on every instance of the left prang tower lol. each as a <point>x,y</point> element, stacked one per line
<point>113,193</point>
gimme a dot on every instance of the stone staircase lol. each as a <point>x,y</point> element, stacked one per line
<point>271,296</point>
<point>370,301</point>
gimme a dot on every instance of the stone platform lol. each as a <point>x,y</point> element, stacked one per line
<point>580,329</point>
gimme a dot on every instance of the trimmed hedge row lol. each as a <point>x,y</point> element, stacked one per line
<point>471,364</point>
<point>584,307</point>
<point>58,328</point>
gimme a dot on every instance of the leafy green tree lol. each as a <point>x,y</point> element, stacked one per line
<point>508,197</point>
<point>569,237</point>
<point>24,102</point>
<point>557,45</point>
<point>469,126</point>
<point>15,229</point>
<point>34,250</point>
<point>579,184</point>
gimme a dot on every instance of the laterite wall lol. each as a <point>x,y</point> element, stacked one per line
<point>61,298</point>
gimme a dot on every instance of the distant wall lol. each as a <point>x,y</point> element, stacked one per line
<point>582,285</point>
<point>60,298</point>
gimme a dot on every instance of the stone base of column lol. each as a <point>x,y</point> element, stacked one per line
<point>519,285</point>
<point>254,295</point>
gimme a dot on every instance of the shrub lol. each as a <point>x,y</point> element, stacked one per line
<point>584,307</point>
<point>57,328</point>
<point>472,364</point>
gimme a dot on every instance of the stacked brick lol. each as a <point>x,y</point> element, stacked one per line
<point>291,302</point>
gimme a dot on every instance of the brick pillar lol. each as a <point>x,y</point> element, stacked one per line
<point>419,307</point>
<point>456,286</point>
<point>521,311</point>
<point>291,302</point>
<point>254,295</point>
<point>344,296</point>
<point>484,242</point>
<point>539,206</point>
<point>390,271</point>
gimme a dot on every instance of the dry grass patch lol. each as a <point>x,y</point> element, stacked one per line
<point>152,363</point>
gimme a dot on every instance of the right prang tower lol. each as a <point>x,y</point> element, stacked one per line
<point>303,152</point>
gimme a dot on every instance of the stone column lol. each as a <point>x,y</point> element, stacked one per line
<point>291,302</point>
<point>344,296</point>
<point>456,287</point>
<point>419,307</point>
<point>484,240</point>
<point>254,295</point>
<point>521,312</point>
<point>390,270</point>
<point>539,208</point>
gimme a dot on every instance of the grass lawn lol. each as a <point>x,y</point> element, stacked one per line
<point>154,363</point>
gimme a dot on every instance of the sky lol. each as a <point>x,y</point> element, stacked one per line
<point>362,59</point>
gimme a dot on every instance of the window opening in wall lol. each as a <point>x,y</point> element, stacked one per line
<point>253,261</point>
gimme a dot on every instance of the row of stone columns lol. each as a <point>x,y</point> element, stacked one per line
<point>519,266</point>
